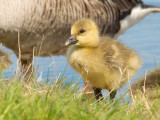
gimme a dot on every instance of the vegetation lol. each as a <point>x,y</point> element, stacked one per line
<point>64,101</point>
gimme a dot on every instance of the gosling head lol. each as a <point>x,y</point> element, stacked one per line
<point>84,33</point>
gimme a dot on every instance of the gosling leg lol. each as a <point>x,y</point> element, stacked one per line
<point>98,93</point>
<point>88,90</point>
<point>112,94</point>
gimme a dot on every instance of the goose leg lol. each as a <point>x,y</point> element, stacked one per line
<point>112,94</point>
<point>27,65</point>
<point>27,68</point>
<point>98,93</point>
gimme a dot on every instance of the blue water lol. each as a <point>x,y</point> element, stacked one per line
<point>144,38</point>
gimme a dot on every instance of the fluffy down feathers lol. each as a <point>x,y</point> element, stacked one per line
<point>105,63</point>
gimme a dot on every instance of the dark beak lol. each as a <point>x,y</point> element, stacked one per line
<point>71,40</point>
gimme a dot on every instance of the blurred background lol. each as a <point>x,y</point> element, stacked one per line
<point>143,37</point>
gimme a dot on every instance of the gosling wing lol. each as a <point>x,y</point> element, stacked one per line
<point>112,56</point>
<point>115,54</point>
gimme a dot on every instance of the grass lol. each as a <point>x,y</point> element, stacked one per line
<point>63,101</point>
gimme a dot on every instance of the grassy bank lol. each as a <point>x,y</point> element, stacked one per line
<point>58,101</point>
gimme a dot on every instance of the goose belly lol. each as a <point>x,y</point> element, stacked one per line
<point>96,79</point>
<point>50,43</point>
<point>91,71</point>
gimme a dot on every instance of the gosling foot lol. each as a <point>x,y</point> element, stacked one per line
<point>98,94</point>
<point>112,94</point>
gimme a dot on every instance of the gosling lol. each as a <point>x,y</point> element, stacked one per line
<point>101,61</point>
<point>148,86</point>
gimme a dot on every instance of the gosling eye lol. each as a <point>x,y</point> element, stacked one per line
<point>81,31</point>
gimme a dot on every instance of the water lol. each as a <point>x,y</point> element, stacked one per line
<point>144,38</point>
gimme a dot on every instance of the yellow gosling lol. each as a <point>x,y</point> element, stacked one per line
<point>147,86</point>
<point>5,61</point>
<point>101,61</point>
